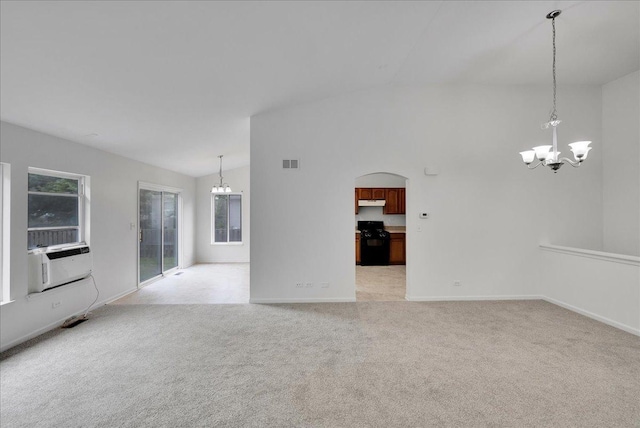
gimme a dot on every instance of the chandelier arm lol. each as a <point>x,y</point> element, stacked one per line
<point>535,166</point>
<point>570,162</point>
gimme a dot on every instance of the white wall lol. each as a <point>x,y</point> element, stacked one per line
<point>114,185</point>
<point>380,179</point>
<point>488,211</point>
<point>597,285</point>
<point>238,180</point>
<point>621,164</point>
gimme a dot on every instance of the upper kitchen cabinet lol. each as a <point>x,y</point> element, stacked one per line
<point>394,198</point>
<point>363,193</point>
<point>370,193</point>
<point>392,205</point>
<point>378,193</point>
<point>395,203</point>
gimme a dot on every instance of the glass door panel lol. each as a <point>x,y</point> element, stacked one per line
<point>170,230</point>
<point>150,234</point>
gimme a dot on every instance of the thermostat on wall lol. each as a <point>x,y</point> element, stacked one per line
<point>424,215</point>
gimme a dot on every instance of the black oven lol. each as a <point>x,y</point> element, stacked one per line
<point>374,243</point>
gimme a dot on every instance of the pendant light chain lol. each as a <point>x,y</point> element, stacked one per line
<point>220,173</point>
<point>554,113</point>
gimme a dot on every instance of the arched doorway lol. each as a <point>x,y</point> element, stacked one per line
<point>380,238</point>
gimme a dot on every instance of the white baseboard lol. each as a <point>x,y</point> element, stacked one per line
<point>308,300</point>
<point>586,313</point>
<point>469,298</point>
<point>116,297</point>
<point>40,331</point>
<point>596,317</point>
<point>59,322</point>
<point>236,262</point>
<point>36,333</point>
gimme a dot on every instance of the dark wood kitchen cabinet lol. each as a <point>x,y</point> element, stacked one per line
<point>394,197</point>
<point>370,193</point>
<point>391,206</point>
<point>357,248</point>
<point>378,193</point>
<point>397,249</point>
<point>363,193</point>
<point>395,201</point>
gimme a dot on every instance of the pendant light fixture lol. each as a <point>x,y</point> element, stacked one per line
<point>221,188</point>
<point>549,155</point>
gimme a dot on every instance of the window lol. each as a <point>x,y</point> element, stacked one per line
<point>55,208</point>
<point>4,232</point>
<point>227,218</point>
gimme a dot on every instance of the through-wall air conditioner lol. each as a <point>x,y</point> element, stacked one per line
<point>53,268</point>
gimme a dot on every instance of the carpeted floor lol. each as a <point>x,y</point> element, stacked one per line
<point>369,364</point>
<point>205,283</point>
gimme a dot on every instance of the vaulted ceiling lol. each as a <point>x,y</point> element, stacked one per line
<point>174,84</point>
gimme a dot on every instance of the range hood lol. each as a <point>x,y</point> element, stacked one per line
<point>371,202</point>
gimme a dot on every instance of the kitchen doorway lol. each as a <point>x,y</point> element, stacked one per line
<point>380,237</point>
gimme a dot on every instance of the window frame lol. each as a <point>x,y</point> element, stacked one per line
<point>213,219</point>
<point>142,185</point>
<point>83,206</point>
<point>5,233</point>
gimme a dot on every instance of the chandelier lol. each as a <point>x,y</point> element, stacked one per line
<point>221,188</point>
<point>549,155</point>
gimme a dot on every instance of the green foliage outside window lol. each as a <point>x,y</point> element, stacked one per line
<point>49,184</point>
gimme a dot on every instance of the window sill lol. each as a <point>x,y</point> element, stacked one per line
<point>60,247</point>
<point>226,243</point>
<point>7,302</point>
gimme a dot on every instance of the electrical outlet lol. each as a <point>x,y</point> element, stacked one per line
<point>299,284</point>
<point>55,305</point>
<point>324,285</point>
<point>457,283</point>
<point>309,285</point>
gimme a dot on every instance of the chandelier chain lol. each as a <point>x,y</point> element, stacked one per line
<point>220,173</point>
<point>554,113</point>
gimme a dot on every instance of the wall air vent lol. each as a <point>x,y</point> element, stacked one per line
<point>290,164</point>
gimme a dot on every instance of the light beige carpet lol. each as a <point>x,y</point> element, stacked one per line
<point>204,283</point>
<point>374,364</point>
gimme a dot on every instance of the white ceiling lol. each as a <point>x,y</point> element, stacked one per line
<point>173,84</point>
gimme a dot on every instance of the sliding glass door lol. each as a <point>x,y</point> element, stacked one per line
<point>170,231</point>
<point>158,233</point>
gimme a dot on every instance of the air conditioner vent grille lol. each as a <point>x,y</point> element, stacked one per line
<point>67,253</point>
